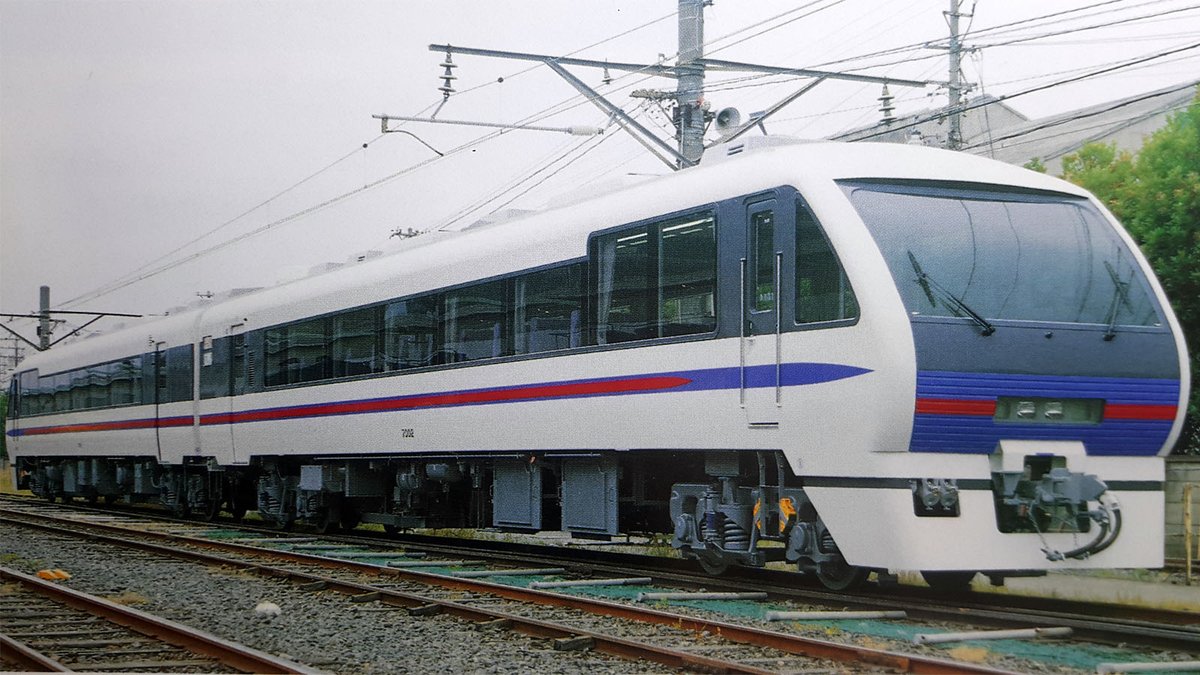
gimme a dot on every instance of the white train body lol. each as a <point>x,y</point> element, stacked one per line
<point>897,421</point>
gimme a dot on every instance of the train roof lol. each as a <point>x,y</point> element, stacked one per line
<point>441,259</point>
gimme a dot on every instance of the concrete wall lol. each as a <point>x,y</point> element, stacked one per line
<point>1181,470</point>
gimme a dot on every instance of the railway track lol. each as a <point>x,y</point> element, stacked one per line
<point>348,564</point>
<point>46,627</point>
<point>650,634</point>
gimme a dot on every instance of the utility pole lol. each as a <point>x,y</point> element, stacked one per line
<point>955,87</point>
<point>689,88</point>
<point>43,318</point>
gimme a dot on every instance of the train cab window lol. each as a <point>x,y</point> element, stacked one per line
<point>656,280</point>
<point>354,343</point>
<point>548,310</point>
<point>409,332</point>
<point>475,322</point>
<point>762,229</point>
<point>823,292</point>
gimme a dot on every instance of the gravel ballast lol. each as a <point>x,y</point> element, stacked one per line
<point>322,629</point>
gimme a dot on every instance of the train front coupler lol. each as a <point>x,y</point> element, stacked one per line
<point>1045,497</point>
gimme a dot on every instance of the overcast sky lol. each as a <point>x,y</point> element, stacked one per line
<point>127,129</point>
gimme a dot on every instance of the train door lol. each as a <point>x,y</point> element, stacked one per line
<point>769,235</point>
<point>160,391</point>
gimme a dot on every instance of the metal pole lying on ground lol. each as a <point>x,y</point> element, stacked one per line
<point>833,616</point>
<point>1019,633</point>
<point>590,582</point>
<point>646,597</point>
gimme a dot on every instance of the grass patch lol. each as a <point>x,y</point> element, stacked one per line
<point>969,654</point>
<point>128,598</point>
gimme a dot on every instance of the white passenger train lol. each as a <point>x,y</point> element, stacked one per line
<point>880,357</point>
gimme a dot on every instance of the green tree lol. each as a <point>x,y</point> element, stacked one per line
<point>1156,194</point>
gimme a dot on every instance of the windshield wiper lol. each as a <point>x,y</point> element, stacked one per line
<point>1120,297</point>
<point>928,284</point>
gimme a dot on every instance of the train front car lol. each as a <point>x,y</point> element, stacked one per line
<point>1047,378</point>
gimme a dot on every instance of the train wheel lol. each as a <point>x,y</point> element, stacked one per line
<point>839,575</point>
<point>392,530</point>
<point>212,509</point>
<point>328,522</point>
<point>714,565</point>
<point>949,582</point>
<point>349,519</point>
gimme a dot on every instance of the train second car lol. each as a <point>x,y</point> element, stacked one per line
<point>876,357</point>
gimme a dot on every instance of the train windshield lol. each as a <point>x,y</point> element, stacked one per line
<point>1003,255</point>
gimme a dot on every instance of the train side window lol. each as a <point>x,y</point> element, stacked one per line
<point>179,373</point>
<point>275,363</point>
<point>126,381</point>
<point>45,395</point>
<point>79,389</point>
<point>27,393</point>
<point>410,331</point>
<point>237,364</point>
<point>214,367</point>
<point>823,292</point>
<point>62,392</point>
<point>656,280</point>
<point>549,310</point>
<point>354,343</point>
<point>14,399</point>
<point>688,282</point>
<point>307,356</point>
<point>475,322</point>
<point>625,285</point>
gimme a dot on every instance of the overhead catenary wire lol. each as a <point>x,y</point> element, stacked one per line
<point>1031,90</point>
<point>569,104</point>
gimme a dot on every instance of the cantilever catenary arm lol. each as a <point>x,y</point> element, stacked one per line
<point>637,130</point>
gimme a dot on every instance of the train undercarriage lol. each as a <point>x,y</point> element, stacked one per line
<point>731,509</point>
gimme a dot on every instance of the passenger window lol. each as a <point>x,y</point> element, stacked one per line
<point>410,328</point>
<point>126,381</point>
<point>475,322</point>
<point>354,343</point>
<point>657,280</point>
<point>823,292</point>
<point>549,310</point>
<point>307,360</point>
<point>179,373</point>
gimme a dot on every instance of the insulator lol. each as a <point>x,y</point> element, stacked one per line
<point>448,77</point>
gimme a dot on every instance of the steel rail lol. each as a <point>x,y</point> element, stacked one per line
<point>1162,628</point>
<point>23,656</point>
<point>787,643</point>
<point>228,653</point>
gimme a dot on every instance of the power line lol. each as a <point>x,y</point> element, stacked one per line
<point>980,104</point>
